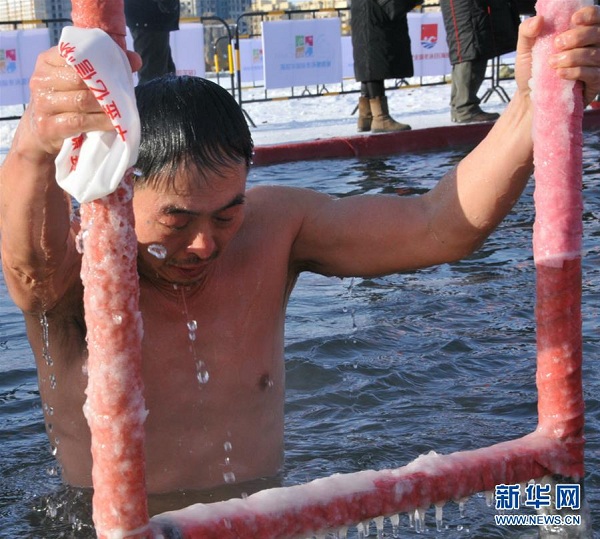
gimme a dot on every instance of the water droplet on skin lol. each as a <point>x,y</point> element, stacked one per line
<point>52,381</point>
<point>48,358</point>
<point>265,382</point>
<point>229,477</point>
<point>157,250</point>
<point>117,319</point>
<point>53,450</point>
<point>203,376</point>
<point>192,335</point>
<point>46,340</point>
<point>227,446</point>
<point>192,325</point>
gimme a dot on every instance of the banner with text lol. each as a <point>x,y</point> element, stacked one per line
<point>428,44</point>
<point>251,60</point>
<point>187,49</point>
<point>18,53</point>
<point>347,58</point>
<point>302,52</point>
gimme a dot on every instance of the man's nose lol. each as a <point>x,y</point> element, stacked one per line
<point>203,245</point>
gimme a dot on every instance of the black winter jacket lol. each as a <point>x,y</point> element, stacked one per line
<point>157,15</point>
<point>380,41</point>
<point>480,29</point>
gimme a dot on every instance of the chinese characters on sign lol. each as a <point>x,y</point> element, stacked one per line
<point>88,73</point>
<point>538,496</point>
<point>508,497</point>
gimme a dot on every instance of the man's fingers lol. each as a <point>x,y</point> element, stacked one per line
<point>529,29</point>
<point>587,15</point>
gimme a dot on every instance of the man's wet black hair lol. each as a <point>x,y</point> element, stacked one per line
<point>189,121</point>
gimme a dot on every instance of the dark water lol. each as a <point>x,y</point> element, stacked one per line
<point>379,371</point>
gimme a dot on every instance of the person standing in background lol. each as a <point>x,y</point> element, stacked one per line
<point>381,50</point>
<point>476,30</point>
<point>150,23</point>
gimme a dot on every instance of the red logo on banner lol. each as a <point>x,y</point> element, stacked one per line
<point>429,35</point>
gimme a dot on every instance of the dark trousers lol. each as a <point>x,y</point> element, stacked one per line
<point>154,48</point>
<point>372,88</point>
<point>467,78</point>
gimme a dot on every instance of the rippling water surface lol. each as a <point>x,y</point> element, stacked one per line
<point>379,371</point>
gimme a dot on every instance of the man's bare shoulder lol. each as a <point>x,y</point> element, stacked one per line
<point>290,202</point>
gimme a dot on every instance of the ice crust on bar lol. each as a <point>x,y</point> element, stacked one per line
<point>557,237</point>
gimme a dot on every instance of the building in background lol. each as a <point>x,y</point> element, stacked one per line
<point>314,8</point>
<point>57,12</point>
<point>14,11</point>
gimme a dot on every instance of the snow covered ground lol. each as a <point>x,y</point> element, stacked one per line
<point>296,120</point>
<point>299,119</point>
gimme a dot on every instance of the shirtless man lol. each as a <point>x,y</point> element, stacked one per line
<point>233,254</point>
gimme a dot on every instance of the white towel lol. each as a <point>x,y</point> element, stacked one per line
<point>92,166</point>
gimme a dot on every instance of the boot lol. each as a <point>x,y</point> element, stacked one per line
<point>382,121</point>
<point>364,114</point>
<point>475,116</point>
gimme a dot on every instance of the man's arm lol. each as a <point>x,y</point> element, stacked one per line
<point>39,258</point>
<point>376,235</point>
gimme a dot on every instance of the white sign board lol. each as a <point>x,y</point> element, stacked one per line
<point>187,49</point>
<point>347,58</point>
<point>251,60</point>
<point>18,53</point>
<point>428,44</point>
<point>302,52</point>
